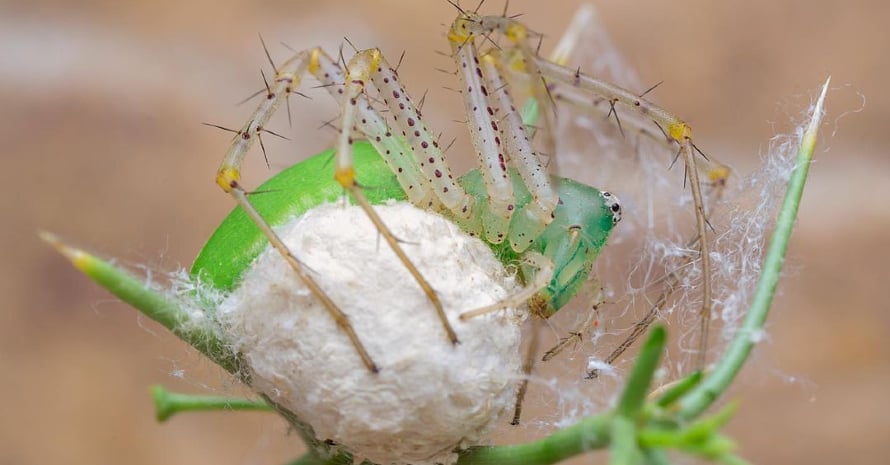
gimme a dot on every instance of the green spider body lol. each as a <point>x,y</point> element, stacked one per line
<point>580,227</point>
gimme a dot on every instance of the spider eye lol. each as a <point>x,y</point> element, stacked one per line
<point>614,206</point>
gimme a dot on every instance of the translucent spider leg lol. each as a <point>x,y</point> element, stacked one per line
<point>359,71</point>
<point>676,130</point>
<point>287,77</point>
<point>717,175</point>
<point>519,57</point>
<point>429,160</point>
<point>576,336</point>
<point>631,121</point>
<point>544,273</point>
<point>538,213</point>
<point>394,150</point>
<point>528,364</point>
<point>485,136</point>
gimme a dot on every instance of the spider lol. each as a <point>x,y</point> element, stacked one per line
<point>553,227</point>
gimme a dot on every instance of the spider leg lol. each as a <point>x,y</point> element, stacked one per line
<point>678,132</point>
<point>529,222</point>
<point>485,136</point>
<point>394,151</point>
<point>543,267</point>
<point>590,320</point>
<point>528,364</point>
<point>360,70</point>
<point>287,77</point>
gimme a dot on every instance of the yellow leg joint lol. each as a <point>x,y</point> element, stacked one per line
<point>679,131</point>
<point>516,33</point>
<point>227,178</point>
<point>313,60</point>
<point>375,59</point>
<point>517,62</point>
<point>345,177</point>
<point>718,175</point>
<point>459,33</point>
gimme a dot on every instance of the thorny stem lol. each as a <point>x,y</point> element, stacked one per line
<point>703,395</point>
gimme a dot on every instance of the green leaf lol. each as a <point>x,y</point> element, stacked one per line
<point>640,378</point>
<point>679,389</point>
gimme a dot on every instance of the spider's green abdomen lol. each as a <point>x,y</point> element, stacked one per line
<point>581,223</point>
<point>238,241</point>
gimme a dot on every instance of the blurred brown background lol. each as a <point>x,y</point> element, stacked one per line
<point>100,105</point>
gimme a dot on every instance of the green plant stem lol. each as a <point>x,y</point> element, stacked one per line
<point>640,378</point>
<point>678,389</point>
<point>588,434</point>
<point>624,450</point>
<point>715,383</point>
<point>169,403</point>
<point>169,314</point>
<point>151,303</point>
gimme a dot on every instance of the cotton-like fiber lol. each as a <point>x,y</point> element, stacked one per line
<point>430,397</point>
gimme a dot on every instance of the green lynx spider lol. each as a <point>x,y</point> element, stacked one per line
<point>636,427</point>
<point>554,227</point>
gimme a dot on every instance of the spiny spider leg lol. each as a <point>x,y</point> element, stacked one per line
<point>544,267</point>
<point>717,175</point>
<point>527,364</point>
<point>521,58</point>
<point>429,160</point>
<point>499,135</point>
<point>229,175</point>
<point>360,69</point>
<point>678,131</point>
<point>539,212</point>
<point>643,126</point>
<point>395,151</point>
<point>287,78</point>
<point>485,136</point>
<point>591,320</point>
